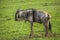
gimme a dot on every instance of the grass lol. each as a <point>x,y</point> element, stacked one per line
<point>12,30</point>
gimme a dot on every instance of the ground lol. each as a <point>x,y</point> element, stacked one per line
<point>19,30</point>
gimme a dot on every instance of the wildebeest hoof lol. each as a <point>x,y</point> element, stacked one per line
<point>46,35</point>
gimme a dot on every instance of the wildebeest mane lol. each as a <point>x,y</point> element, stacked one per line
<point>34,14</point>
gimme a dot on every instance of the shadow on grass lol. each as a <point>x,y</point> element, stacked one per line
<point>41,35</point>
<point>26,36</point>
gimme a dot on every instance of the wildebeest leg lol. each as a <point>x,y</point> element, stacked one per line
<point>31,33</point>
<point>46,25</point>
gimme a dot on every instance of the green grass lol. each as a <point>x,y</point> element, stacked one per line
<point>16,30</point>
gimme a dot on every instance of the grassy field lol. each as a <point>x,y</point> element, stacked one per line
<point>16,30</point>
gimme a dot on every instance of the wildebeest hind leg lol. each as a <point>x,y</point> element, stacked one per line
<point>46,27</point>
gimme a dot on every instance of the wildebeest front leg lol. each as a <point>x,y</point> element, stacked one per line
<point>31,30</point>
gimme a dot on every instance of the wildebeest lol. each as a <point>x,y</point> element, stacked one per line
<point>33,15</point>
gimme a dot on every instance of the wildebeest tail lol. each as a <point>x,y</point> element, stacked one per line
<point>50,28</point>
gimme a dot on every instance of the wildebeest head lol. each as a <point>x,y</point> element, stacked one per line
<point>23,14</point>
<point>19,14</point>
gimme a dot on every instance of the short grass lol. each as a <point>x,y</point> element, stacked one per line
<point>16,30</point>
